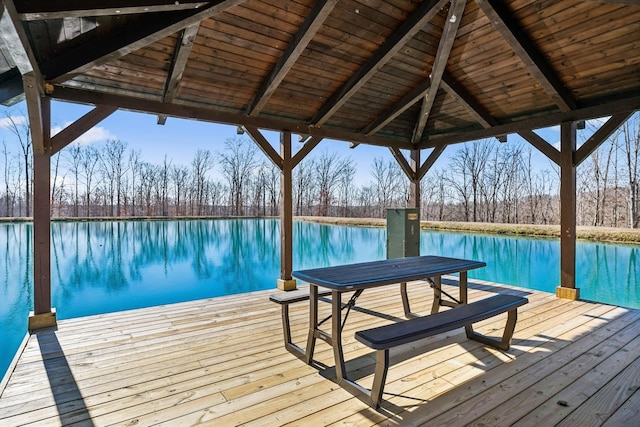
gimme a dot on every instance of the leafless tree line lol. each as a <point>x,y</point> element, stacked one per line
<point>483,181</point>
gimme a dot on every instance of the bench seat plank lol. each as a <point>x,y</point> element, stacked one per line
<point>386,337</point>
<point>415,329</point>
<point>299,295</point>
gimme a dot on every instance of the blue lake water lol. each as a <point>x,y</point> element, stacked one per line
<point>100,267</point>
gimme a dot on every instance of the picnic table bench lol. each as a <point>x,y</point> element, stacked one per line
<point>383,338</point>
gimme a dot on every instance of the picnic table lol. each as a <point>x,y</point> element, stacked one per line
<point>358,277</point>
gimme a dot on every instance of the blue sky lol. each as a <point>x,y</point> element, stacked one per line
<point>179,139</point>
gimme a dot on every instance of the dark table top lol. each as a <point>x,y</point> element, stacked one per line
<point>385,272</point>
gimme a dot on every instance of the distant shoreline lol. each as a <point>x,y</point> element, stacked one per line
<point>598,234</point>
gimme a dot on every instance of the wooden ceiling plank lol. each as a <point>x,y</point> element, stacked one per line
<point>72,132</point>
<point>542,145</point>
<point>180,57</point>
<point>198,113</point>
<point>421,17</point>
<point>310,26</point>
<point>398,108</point>
<point>34,10</point>
<point>257,137</point>
<point>604,132</point>
<point>404,164</point>
<point>449,32</point>
<point>126,39</point>
<point>505,24</point>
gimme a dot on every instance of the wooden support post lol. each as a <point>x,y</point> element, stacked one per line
<point>414,184</point>
<point>286,281</point>
<point>43,314</point>
<point>567,288</point>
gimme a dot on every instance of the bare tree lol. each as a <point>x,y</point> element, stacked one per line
<point>88,165</point>
<point>238,163</point>
<point>112,165</point>
<point>328,172</point>
<point>387,183</point>
<point>179,180</point>
<point>631,136</point>
<point>303,186</point>
<point>201,164</point>
<point>19,126</point>
<point>135,166</point>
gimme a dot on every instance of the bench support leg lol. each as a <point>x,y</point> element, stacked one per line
<point>286,328</point>
<point>502,344</point>
<point>380,377</point>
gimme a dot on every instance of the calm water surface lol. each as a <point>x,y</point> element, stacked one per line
<point>100,267</point>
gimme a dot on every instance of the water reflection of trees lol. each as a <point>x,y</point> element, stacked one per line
<point>230,256</point>
<point>318,245</point>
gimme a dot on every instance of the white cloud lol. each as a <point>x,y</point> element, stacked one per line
<point>95,134</point>
<point>5,122</point>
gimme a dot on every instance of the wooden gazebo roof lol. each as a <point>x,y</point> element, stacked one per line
<point>398,73</point>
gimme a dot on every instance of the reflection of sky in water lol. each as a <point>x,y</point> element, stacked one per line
<point>99,267</point>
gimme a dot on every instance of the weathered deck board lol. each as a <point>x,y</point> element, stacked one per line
<point>222,362</point>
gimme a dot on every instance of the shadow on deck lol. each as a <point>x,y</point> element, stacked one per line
<point>222,362</point>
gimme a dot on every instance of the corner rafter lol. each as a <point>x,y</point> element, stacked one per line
<point>425,12</point>
<point>310,26</point>
<point>439,64</point>
<point>398,108</point>
<point>126,39</point>
<point>463,97</point>
<point>180,57</point>
<point>524,48</point>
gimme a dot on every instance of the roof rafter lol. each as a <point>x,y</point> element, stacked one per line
<point>310,26</point>
<point>34,10</point>
<point>504,23</point>
<point>128,38</point>
<point>464,98</point>
<point>425,12</point>
<point>439,64</point>
<point>398,108</point>
<point>180,57</point>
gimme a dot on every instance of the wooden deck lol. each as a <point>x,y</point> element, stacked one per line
<point>221,362</point>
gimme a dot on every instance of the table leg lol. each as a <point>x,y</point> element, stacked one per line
<point>437,294</point>
<point>313,322</point>
<point>336,335</point>
<point>463,287</point>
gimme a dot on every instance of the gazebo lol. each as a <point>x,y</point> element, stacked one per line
<point>413,76</point>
